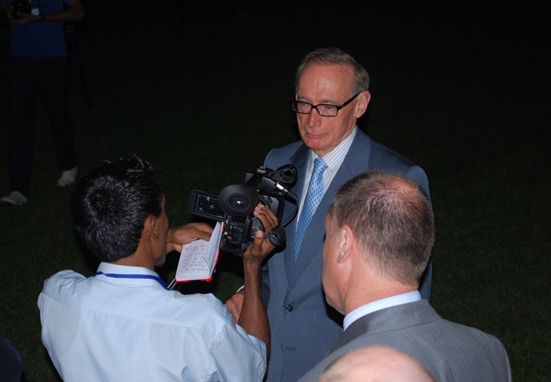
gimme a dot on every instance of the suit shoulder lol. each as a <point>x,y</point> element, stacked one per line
<point>385,158</point>
<point>476,335</point>
<point>281,156</point>
<point>378,150</point>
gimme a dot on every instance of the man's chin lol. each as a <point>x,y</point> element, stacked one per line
<point>314,144</point>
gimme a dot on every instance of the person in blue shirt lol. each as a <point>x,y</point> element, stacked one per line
<point>38,63</point>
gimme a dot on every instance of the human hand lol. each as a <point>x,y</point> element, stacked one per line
<point>178,237</point>
<point>261,246</point>
<point>235,304</point>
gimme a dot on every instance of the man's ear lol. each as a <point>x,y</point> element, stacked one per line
<point>346,238</point>
<point>150,227</point>
<point>361,105</point>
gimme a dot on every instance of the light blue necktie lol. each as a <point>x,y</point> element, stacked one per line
<point>313,199</point>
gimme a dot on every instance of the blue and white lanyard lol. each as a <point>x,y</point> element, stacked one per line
<point>133,276</point>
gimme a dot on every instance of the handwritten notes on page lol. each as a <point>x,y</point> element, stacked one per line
<point>198,259</point>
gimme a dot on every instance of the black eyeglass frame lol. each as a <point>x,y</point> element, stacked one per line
<point>294,103</point>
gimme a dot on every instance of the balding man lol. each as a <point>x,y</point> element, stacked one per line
<point>376,364</point>
<point>379,236</point>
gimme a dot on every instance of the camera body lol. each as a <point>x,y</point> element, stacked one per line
<point>235,204</point>
<point>20,7</point>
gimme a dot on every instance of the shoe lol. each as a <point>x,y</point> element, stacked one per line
<point>67,177</point>
<point>16,198</point>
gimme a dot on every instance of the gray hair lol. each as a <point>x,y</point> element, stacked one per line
<point>335,56</point>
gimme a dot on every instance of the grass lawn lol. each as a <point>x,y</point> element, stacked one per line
<point>201,91</point>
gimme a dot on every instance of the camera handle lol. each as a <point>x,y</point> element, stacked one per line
<point>287,175</point>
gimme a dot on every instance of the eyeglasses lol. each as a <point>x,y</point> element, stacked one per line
<point>323,109</point>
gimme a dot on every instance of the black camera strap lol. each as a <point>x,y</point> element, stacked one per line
<point>277,236</point>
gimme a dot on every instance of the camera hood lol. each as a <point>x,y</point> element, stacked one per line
<point>238,199</point>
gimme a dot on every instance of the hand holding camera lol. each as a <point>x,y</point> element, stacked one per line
<point>235,205</point>
<point>260,248</point>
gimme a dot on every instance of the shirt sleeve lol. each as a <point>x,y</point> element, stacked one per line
<point>238,356</point>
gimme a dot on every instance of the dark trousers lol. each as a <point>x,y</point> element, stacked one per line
<point>50,78</point>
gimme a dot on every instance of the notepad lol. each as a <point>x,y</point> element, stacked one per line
<point>198,259</point>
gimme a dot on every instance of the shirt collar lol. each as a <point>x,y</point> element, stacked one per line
<point>384,303</point>
<point>335,157</point>
<point>151,277</point>
<point>124,269</point>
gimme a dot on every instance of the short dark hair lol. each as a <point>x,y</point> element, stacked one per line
<point>110,205</point>
<point>392,218</point>
<point>335,56</point>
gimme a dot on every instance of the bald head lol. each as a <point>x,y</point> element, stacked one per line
<point>376,364</point>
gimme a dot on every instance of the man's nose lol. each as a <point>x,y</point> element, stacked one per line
<point>314,118</point>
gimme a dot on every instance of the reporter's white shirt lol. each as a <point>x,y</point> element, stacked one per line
<point>123,325</point>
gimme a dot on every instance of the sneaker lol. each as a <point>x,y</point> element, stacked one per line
<point>67,177</point>
<point>16,198</point>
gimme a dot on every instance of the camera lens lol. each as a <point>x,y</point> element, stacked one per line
<point>239,203</point>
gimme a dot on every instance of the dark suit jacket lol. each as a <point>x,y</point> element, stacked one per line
<point>450,352</point>
<point>303,328</point>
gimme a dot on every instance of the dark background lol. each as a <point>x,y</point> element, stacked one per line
<point>201,90</point>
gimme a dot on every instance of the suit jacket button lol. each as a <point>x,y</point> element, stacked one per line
<point>289,308</point>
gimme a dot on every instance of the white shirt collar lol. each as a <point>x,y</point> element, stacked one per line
<point>128,275</point>
<point>384,303</point>
<point>124,269</point>
<point>335,157</point>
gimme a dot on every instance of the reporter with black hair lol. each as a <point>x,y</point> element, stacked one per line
<point>122,324</point>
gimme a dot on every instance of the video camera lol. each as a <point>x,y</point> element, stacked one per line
<point>235,204</point>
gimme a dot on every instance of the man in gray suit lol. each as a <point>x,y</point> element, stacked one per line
<point>379,236</point>
<point>331,93</point>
